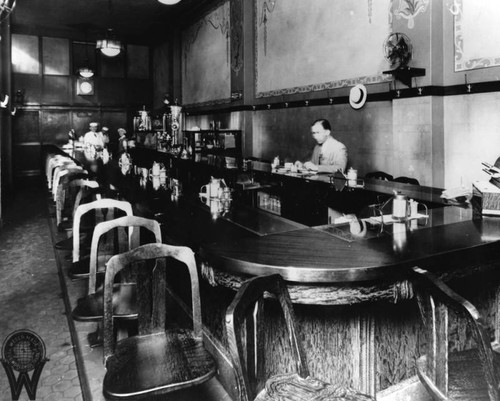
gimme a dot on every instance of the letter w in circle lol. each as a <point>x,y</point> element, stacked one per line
<point>16,385</point>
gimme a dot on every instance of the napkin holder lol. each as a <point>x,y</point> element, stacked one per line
<point>486,198</point>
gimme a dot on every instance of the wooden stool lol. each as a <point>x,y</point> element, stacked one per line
<point>158,360</point>
<point>90,307</point>
<point>243,314</point>
<point>472,374</point>
<point>80,266</point>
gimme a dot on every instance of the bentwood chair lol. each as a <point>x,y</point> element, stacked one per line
<point>242,323</point>
<point>158,360</point>
<point>472,374</point>
<point>80,267</point>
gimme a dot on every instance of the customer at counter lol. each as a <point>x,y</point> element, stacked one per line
<point>329,155</point>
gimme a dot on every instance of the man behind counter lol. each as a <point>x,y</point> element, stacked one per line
<point>329,155</point>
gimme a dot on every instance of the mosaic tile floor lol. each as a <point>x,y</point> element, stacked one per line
<point>30,294</point>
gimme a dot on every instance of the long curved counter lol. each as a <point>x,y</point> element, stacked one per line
<point>351,285</point>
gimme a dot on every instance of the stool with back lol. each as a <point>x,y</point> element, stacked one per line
<point>159,360</point>
<point>472,374</point>
<point>242,327</point>
<point>90,307</point>
<point>379,175</point>
<point>108,207</point>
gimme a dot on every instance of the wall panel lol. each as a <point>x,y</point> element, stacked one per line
<point>112,67</point>
<point>56,56</point>
<point>25,127</point>
<point>114,120</point>
<point>206,58</point>
<point>31,85</point>
<point>304,46</point>
<point>54,126</point>
<point>137,62</point>
<point>56,90</point>
<point>25,54</point>
<point>112,92</point>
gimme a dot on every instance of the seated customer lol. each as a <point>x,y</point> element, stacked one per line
<point>329,155</point>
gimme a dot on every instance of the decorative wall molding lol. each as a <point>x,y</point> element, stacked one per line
<point>476,48</point>
<point>236,35</point>
<point>283,103</point>
<point>267,8</point>
<point>409,9</point>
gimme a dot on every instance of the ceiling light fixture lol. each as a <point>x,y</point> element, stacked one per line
<point>86,71</point>
<point>109,46</point>
<point>6,7</point>
<point>169,2</point>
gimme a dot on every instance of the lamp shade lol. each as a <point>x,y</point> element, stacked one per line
<point>169,2</point>
<point>85,72</point>
<point>109,47</point>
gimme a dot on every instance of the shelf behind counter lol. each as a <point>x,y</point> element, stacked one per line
<point>302,197</point>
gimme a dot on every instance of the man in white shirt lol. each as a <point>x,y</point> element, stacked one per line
<point>93,137</point>
<point>329,155</point>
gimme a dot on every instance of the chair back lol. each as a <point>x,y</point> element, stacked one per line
<point>151,308</point>
<point>134,223</point>
<point>435,299</point>
<point>379,175</point>
<point>407,180</point>
<point>243,312</point>
<point>84,186</point>
<point>99,204</point>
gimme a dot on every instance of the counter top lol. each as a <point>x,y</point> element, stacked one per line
<point>249,241</point>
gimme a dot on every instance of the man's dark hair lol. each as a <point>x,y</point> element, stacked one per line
<point>324,123</point>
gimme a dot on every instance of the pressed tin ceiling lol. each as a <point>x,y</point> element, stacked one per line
<point>134,21</point>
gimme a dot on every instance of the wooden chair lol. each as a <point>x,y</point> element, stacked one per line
<point>472,374</point>
<point>158,360</point>
<point>407,180</point>
<point>90,307</point>
<point>379,175</point>
<point>60,171</point>
<point>85,187</point>
<point>80,267</point>
<point>243,312</point>
<point>52,162</point>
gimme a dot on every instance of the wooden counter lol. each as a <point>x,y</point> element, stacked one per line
<point>351,288</point>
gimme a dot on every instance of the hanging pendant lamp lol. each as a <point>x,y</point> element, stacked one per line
<point>109,46</point>
<point>169,2</point>
<point>85,71</point>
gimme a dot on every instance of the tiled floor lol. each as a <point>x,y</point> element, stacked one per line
<point>33,295</point>
<point>30,294</point>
